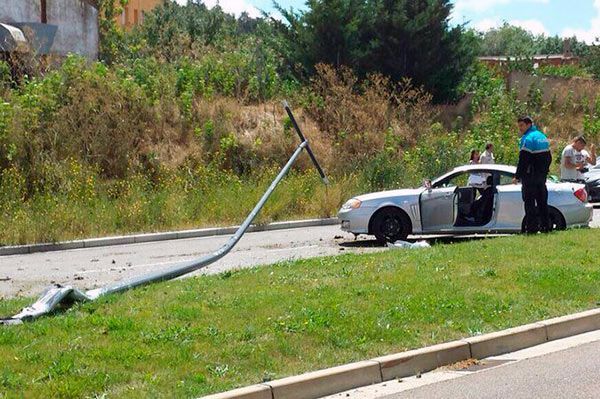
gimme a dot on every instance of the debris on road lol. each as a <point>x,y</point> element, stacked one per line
<point>410,245</point>
<point>463,364</point>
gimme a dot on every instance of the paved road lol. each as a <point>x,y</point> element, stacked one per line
<point>92,267</point>
<point>569,374</point>
<point>565,368</point>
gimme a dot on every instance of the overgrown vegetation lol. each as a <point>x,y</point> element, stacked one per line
<point>207,334</point>
<point>180,125</point>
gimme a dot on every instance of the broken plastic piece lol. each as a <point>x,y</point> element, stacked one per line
<point>410,245</point>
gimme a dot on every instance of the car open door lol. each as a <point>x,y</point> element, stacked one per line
<point>437,208</point>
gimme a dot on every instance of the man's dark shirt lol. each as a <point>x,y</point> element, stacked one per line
<point>534,157</point>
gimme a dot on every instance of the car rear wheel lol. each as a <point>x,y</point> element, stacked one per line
<point>390,225</point>
<point>557,220</point>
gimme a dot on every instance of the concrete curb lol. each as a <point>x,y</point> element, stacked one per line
<point>341,378</point>
<point>152,237</point>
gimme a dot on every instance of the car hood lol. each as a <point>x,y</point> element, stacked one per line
<point>406,192</point>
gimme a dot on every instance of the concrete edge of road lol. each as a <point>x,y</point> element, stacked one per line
<point>349,376</point>
<point>152,237</point>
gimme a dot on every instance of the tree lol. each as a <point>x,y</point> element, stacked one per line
<point>172,30</point>
<point>328,33</point>
<point>399,38</point>
<point>509,40</point>
<point>413,39</point>
<point>592,60</point>
<point>110,37</point>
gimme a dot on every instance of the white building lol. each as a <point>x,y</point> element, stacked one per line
<point>59,26</point>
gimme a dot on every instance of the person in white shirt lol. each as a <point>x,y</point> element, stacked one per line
<point>574,159</point>
<point>475,179</point>
<point>488,154</point>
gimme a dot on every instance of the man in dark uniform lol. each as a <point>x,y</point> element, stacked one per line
<point>532,172</point>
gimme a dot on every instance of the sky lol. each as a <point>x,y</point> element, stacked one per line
<point>565,18</point>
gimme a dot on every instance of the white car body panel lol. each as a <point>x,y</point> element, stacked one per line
<point>507,215</point>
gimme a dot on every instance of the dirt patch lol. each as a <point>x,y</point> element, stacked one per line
<point>463,364</point>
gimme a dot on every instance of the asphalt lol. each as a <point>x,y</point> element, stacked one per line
<point>563,368</point>
<point>569,374</point>
<point>26,275</point>
<point>91,267</point>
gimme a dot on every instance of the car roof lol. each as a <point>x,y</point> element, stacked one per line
<point>485,166</point>
<point>489,167</point>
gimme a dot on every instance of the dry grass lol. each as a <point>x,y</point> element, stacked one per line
<point>358,118</point>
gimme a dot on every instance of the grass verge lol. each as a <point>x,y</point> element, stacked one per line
<point>202,335</point>
<point>136,206</point>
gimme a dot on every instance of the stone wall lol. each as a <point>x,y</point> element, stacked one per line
<point>553,88</point>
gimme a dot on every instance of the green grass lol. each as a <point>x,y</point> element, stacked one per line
<point>207,334</point>
<point>137,205</point>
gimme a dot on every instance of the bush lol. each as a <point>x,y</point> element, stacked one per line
<point>360,119</point>
<point>247,73</point>
<point>563,71</point>
<point>484,82</point>
<point>591,122</point>
<point>81,112</point>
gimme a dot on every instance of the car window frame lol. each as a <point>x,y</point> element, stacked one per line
<point>439,183</point>
<point>508,174</point>
<point>436,184</point>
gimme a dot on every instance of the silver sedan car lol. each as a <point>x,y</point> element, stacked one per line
<point>454,204</point>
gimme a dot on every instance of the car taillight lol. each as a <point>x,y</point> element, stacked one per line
<point>581,194</point>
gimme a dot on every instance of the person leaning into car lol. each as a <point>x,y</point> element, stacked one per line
<point>574,159</point>
<point>532,171</point>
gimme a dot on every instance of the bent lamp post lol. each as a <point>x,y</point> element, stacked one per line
<point>59,295</point>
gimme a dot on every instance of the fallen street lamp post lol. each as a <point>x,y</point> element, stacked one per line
<point>59,296</point>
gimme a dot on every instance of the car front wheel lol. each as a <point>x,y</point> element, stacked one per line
<point>390,225</point>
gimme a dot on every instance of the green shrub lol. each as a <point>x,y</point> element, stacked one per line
<point>5,76</point>
<point>248,73</point>
<point>591,122</point>
<point>563,71</point>
<point>484,83</point>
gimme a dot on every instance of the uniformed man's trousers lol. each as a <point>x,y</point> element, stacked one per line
<point>535,197</point>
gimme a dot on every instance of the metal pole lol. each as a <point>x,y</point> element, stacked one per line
<point>193,265</point>
<point>302,138</point>
<point>43,12</point>
<point>57,294</point>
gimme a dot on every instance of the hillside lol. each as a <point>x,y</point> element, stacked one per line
<point>180,125</point>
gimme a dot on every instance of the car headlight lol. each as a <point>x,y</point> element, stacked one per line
<point>351,204</point>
